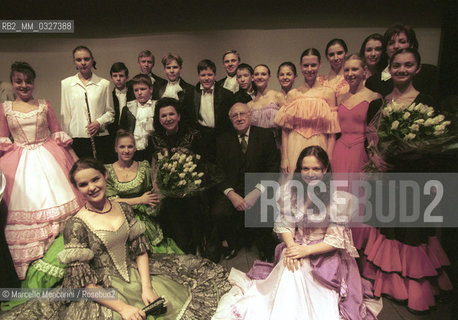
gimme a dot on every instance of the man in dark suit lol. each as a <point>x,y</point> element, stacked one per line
<point>242,150</point>
<point>174,87</point>
<point>207,107</point>
<point>231,60</point>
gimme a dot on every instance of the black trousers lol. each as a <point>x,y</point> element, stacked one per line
<point>230,226</point>
<point>103,145</point>
<point>181,219</point>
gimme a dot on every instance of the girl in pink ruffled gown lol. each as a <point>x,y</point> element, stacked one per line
<point>404,263</point>
<point>309,115</point>
<point>336,49</point>
<point>314,276</point>
<point>38,193</point>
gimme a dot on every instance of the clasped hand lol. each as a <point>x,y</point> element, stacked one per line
<point>294,256</point>
<point>242,204</point>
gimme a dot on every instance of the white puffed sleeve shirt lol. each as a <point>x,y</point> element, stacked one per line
<point>73,105</point>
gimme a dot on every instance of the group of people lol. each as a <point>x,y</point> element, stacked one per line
<point>77,222</point>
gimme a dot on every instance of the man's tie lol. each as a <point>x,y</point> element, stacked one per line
<point>243,143</point>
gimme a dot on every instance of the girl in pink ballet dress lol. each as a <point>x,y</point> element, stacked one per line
<point>309,115</point>
<point>38,193</point>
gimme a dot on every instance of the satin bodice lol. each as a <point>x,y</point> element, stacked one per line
<point>28,129</point>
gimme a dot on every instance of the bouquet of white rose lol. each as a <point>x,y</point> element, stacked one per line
<point>177,176</point>
<point>406,129</point>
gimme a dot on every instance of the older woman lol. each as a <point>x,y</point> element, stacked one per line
<point>181,216</point>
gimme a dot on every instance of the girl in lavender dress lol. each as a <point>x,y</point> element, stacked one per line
<point>314,275</point>
<point>265,105</point>
<point>336,49</point>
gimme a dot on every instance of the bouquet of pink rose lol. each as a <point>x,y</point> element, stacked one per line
<point>177,176</point>
<point>405,130</point>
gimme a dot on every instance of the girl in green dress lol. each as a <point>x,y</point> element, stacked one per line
<point>129,181</point>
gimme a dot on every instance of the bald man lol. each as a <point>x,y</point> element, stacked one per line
<point>243,149</point>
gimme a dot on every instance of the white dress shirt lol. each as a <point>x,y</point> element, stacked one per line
<point>386,75</point>
<point>144,115</point>
<point>73,105</point>
<point>122,98</point>
<point>207,109</point>
<point>231,84</point>
<point>172,89</point>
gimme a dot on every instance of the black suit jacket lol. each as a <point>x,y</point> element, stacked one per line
<point>221,81</point>
<point>160,86</point>
<point>223,100</point>
<point>113,127</point>
<point>157,80</point>
<point>262,155</point>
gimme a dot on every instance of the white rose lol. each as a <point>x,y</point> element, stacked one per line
<point>410,136</point>
<point>411,108</point>
<point>395,125</point>
<point>160,156</point>
<point>446,123</point>
<point>200,175</point>
<point>183,182</point>
<point>430,113</point>
<point>419,121</point>
<point>192,168</point>
<point>406,115</point>
<point>415,127</point>
<point>189,158</point>
<point>182,175</point>
<point>194,174</point>
<point>441,117</point>
<point>186,169</point>
<point>428,122</point>
<point>197,182</point>
<point>198,156</point>
<point>438,133</point>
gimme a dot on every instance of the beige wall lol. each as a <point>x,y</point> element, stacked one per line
<point>52,60</point>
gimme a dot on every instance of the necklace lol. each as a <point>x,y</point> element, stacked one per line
<point>100,212</point>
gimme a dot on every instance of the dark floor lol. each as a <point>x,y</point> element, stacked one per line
<point>391,310</point>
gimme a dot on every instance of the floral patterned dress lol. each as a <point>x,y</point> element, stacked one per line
<point>192,286</point>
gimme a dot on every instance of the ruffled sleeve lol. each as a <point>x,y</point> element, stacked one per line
<point>57,133</point>
<point>309,116</point>
<point>77,256</point>
<point>287,210</point>
<point>338,234</point>
<point>5,142</point>
<point>112,191</point>
<point>137,244</point>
